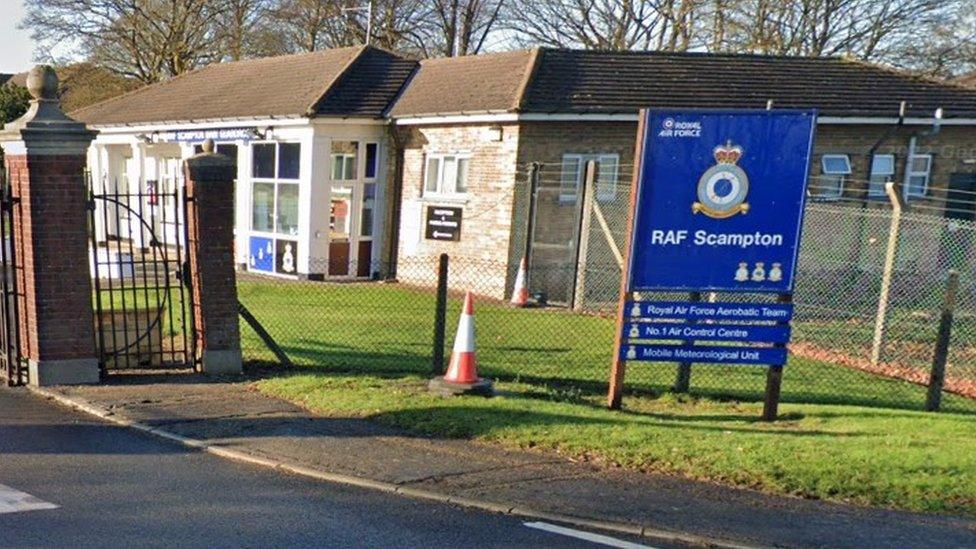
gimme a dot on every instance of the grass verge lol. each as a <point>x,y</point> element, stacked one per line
<point>892,458</point>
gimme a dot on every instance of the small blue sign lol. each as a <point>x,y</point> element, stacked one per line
<point>707,332</point>
<point>773,356</point>
<point>695,310</point>
<point>262,254</point>
<point>720,200</point>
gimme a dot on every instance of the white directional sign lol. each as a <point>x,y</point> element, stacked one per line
<point>443,223</point>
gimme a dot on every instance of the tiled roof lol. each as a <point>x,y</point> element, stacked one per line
<point>600,82</point>
<point>286,86</point>
<point>472,84</point>
<point>369,87</point>
<point>19,79</point>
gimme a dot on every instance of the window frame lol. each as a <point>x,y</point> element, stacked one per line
<point>440,191</point>
<point>907,194</point>
<point>567,197</point>
<point>839,175</point>
<point>376,161</point>
<point>277,182</point>
<point>873,190</point>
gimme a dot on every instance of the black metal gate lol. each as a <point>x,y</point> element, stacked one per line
<point>142,305</point>
<point>12,365</point>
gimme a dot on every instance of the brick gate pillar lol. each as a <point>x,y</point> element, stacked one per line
<point>210,224</point>
<point>45,154</point>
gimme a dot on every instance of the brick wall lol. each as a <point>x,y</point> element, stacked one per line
<point>210,229</point>
<point>953,149</point>
<point>488,207</point>
<point>54,282</point>
<point>950,150</point>
<point>496,207</point>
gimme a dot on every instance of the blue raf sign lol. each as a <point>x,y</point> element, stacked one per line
<point>720,200</point>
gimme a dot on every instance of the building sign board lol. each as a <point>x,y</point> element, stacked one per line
<point>780,312</point>
<point>717,207</point>
<point>707,332</point>
<point>720,200</point>
<point>443,223</point>
<point>217,134</point>
<point>772,356</point>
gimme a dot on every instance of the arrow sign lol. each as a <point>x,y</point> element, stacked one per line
<point>443,223</point>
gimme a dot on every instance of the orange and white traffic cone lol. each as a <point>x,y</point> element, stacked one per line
<point>520,294</point>
<point>462,372</point>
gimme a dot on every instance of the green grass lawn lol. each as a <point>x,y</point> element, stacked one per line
<point>893,458</point>
<point>364,350</point>
<point>388,329</point>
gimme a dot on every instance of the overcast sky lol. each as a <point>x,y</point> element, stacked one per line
<point>16,49</point>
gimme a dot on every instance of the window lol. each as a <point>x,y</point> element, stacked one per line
<point>275,160</point>
<point>919,172</point>
<point>834,168</point>
<point>882,171</point>
<point>274,192</point>
<point>263,161</point>
<point>369,204</point>
<point>574,174</point>
<point>446,174</point>
<point>372,160</point>
<point>230,151</point>
<point>339,210</point>
<point>289,160</point>
<point>606,179</point>
<point>262,211</point>
<point>569,180</point>
<point>286,219</point>
<point>345,160</point>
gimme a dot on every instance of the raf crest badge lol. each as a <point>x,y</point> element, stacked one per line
<point>722,189</point>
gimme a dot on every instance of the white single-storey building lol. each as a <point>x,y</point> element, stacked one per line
<point>312,148</point>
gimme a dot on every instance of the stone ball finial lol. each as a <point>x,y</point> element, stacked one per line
<point>42,83</point>
<point>208,146</point>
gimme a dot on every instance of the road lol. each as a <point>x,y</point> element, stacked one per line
<point>69,481</point>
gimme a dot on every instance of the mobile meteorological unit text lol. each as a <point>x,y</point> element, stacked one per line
<point>660,237</point>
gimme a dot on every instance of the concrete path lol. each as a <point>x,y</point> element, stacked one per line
<point>231,416</point>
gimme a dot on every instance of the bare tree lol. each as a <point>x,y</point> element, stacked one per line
<point>608,24</point>
<point>943,45</point>
<point>304,24</point>
<point>145,39</point>
<point>244,30</point>
<point>462,27</point>
<point>857,28</point>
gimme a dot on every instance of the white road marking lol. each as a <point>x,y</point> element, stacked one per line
<point>586,536</point>
<point>15,501</point>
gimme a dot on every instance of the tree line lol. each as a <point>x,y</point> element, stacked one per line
<point>152,40</point>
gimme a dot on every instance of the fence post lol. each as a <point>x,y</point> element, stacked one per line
<point>774,378</point>
<point>683,382</point>
<point>891,255</point>
<point>534,171</point>
<point>440,317</point>
<point>937,377</point>
<point>583,238</point>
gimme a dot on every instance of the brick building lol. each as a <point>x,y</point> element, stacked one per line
<point>357,161</point>
<point>469,128</point>
<point>309,140</point>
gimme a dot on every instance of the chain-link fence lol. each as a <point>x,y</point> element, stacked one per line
<point>563,341</point>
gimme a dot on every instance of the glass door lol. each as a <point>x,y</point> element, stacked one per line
<point>340,225</point>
